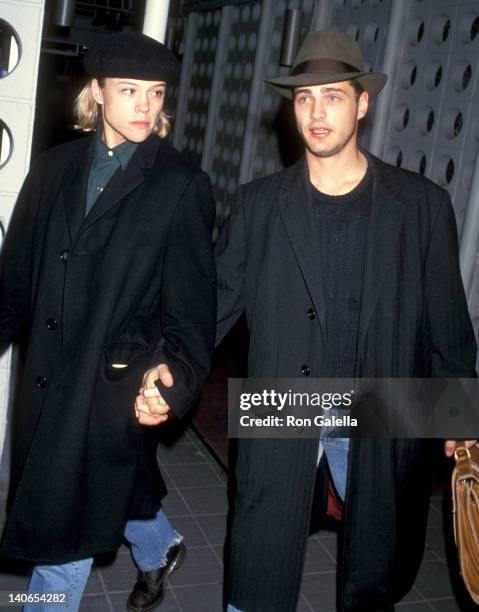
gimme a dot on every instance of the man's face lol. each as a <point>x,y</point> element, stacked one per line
<point>130,108</point>
<point>327,116</point>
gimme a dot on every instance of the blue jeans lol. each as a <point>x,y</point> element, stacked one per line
<point>149,539</point>
<point>336,450</point>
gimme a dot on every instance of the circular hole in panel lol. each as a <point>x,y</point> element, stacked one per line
<point>239,129</point>
<point>252,40</point>
<point>416,31</point>
<point>201,19</point>
<point>199,147</point>
<point>433,75</point>
<point>353,31</point>
<point>248,71</point>
<point>444,170</point>
<point>401,117</point>
<point>257,12</point>
<point>244,100</point>
<point>6,143</point>
<point>232,185</point>
<point>394,155</point>
<point>417,162</point>
<point>371,34</point>
<point>236,158</point>
<point>217,18</point>
<point>453,122</point>
<point>469,27</point>
<point>241,42</point>
<point>357,3</point>
<point>461,75</point>
<point>408,75</point>
<point>205,44</point>
<point>209,18</point>
<point>425,120</point>
<point>246,14</point>
<point>441,27</point>
<point>10,49</point>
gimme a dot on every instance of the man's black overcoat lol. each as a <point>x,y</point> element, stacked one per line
<point>413,323</point>
<point>132,283</point>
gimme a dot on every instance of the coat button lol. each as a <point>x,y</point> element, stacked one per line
<point>305,370</point>
<point>64,255</point>
<point>52,324</point>
<point>311,314</point>
<point>41,382</point>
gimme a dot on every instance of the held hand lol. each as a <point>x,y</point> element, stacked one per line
<point>150,406</point>
<point>451,445</point>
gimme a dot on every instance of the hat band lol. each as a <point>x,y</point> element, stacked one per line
<point>323,65</point>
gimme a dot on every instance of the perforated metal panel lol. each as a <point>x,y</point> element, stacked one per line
<point>244,23</point>
<point>267,154</point>
<point>200,82</point>
<point>366,21</point>
<point>434,121</point>
<point>435,108</point>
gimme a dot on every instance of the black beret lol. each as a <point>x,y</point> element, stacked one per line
<point>131,55</point>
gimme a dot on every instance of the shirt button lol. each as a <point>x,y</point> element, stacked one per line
<point>41,382</point>
<point>110,153</point>
<point>52,324</point>
<point>305,370</point>
<point>64,255</point>
<point>311,314</point>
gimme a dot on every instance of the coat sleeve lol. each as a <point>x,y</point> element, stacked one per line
<point>230,254</point>
<point>452,336</point>
<point>16,263</point>
<point>188,304</point>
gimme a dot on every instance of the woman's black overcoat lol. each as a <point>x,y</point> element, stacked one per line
<point>132,283</point>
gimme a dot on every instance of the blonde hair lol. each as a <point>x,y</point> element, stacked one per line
<point>87,112</point>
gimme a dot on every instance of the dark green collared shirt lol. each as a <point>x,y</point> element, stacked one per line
<point>104,164</point>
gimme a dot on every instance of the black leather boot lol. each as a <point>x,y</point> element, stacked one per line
<point>149,588</point>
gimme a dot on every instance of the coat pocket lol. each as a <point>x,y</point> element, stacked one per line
<point>125,358</point>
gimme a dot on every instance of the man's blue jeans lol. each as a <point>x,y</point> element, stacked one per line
<point>149,539</point>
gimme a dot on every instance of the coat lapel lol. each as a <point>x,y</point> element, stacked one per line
<point>297,213</point>
<point>120,185</point>
<point>74,187</point>
<point>153,150</point>
<point>384,230</point>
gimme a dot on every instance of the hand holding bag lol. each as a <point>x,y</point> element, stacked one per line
<point>465,508</point>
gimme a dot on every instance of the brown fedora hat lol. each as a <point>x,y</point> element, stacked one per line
<point>328,56</point>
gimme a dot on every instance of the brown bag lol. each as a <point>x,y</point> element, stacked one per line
<point>465,508</point>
